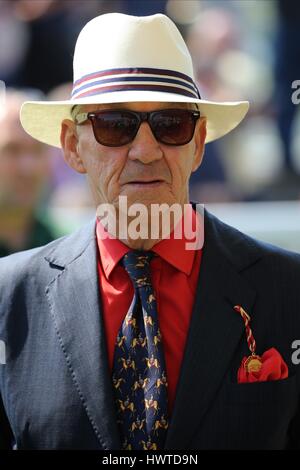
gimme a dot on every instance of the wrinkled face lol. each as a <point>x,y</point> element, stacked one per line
<point>24,164</point>
<point>145,170</point>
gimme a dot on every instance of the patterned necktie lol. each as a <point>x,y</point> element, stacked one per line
<point>139,372</point>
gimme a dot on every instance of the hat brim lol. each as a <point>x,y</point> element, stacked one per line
<point>42,119</point>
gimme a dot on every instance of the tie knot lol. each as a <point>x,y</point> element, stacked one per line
<point>137,265</point>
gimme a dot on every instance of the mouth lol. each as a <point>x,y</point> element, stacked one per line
<point>145,184</point>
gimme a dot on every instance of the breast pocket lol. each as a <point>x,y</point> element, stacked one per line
<point>259,414</point>
<point>268,393</point>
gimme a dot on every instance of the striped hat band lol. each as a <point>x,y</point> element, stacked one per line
<point>137,79</point>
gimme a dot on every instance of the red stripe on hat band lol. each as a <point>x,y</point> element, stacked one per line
<point>112,88</point>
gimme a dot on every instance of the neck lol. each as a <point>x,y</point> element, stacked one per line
<point>140,244</point>
<point>145,230</point>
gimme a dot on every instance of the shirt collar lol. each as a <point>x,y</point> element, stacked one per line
<point>173,250</point>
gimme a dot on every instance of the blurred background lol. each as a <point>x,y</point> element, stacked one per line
<point>241,49</point>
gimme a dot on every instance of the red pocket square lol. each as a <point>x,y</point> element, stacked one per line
<point>272,367</point>
<point>254,368</point>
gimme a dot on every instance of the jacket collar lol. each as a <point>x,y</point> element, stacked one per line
<point>230,243</point>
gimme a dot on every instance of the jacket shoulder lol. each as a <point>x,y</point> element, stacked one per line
<point>32,263</point>
<point>18,264</point>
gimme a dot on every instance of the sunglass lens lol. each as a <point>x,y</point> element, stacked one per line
<point>173,127</point>
<point>114,128</point>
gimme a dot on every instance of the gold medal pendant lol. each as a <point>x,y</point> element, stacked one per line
<point>253,363</point>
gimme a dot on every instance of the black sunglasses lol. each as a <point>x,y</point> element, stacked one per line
<point>115,128</point>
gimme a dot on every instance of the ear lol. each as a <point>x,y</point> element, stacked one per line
<point>69,144</point>
<point>200,135</point>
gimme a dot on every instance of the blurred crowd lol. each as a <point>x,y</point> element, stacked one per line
<point>240,50</point>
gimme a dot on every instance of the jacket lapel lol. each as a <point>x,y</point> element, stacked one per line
<point>215,329</point>
<point>75,307</point>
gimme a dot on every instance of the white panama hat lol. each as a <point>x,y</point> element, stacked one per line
<point>121,58</point>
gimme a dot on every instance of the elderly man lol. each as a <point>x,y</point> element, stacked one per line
<point>113,339</point>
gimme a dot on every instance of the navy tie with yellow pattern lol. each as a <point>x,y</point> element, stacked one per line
<point>139,372</point>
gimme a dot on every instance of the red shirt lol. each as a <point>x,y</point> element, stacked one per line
<point>174,279</point>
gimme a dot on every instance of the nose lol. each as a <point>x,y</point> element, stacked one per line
<point>145,147</point>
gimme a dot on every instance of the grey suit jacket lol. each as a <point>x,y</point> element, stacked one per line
<point>55,387</point>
